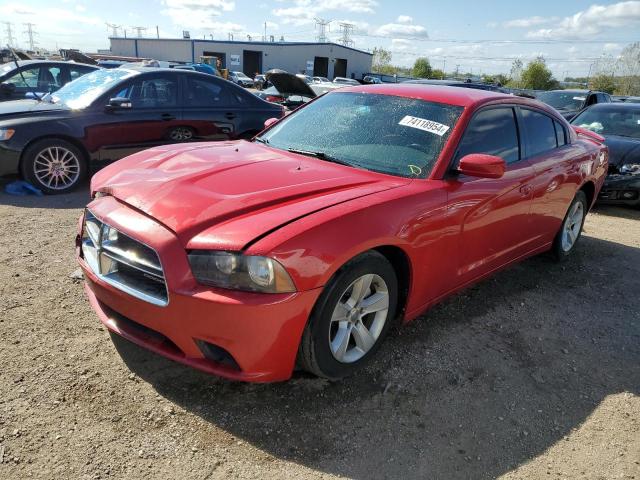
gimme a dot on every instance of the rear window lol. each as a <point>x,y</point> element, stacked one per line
<point>540,132</point>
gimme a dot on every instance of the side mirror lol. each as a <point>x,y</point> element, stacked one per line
<point>482,166</point>
<point>7,88</point>
<point>269,122</point>
<point>118,103</point>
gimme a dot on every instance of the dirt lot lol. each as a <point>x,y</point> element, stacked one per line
<point>532,374</point>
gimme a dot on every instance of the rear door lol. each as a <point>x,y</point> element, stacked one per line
<point>217,110</point>
<point>547,148</point>
<point>151,120</point>
<point>493,215</point>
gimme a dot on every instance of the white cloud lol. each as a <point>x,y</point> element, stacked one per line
<point>528,22</point>
<point>303,12</point>
<point>593,21</point>
<point>400,44</point>
<point>405,19</point>
<point>199,13</point>
<point>401,30</point>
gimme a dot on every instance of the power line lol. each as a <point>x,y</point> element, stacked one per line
<point>347,31</point>
<point>114,28</point>
<point>139,30</point>
<point>30,33</point>
<point>11,40</point>
<point>322,24</point>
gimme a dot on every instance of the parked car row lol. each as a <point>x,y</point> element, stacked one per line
<point>108,114</point>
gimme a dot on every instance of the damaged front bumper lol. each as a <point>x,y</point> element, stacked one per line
<point>621,189</point>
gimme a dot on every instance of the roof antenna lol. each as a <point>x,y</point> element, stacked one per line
<point>15,60</point>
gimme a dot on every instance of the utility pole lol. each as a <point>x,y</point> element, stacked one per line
<point>264,38</point>
<point>114,28</point>
<point>347,30</point>
<point>322,24</point>
<point>457,69</point>
<point>11,40</point>
<point>444,67</point>
<point>231,36</point>
<point>30,33</point>
<point>139,30</point>
<point>157,31</point>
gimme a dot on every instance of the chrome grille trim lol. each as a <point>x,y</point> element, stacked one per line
<point>136,271</point>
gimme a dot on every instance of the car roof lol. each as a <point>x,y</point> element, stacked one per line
<point>463,97</point>
<point>615,106</point>
<point>49,62</point>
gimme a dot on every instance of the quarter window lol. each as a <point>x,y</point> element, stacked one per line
<point>493,132</point>
<point>561,135</point>
<point>541,134</point>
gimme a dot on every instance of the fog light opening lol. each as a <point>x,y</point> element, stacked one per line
<point>217,354</point>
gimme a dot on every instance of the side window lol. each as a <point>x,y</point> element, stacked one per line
<point>205,93</point>
<point>494,132</point>
<point>151,92</point>
<point>30,80</point>
<point>541,134</point>
<point>77,71</point>
<point>561,135</point>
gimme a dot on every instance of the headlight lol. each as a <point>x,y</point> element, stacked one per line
<point>632,168</point>
<point>6,133</point>
<point>240,272</point>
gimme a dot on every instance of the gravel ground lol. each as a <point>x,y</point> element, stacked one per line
<point>534,373</point>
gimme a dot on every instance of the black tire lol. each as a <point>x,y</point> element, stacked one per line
<point>181,134</point>
<point>32,156</point>
<point>315,354</point>
<point>559,251</point>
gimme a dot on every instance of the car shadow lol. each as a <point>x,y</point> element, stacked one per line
<point>76,199</point>
<point>482,383</point>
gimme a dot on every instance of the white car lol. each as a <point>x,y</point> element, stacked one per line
<point>346,81</point>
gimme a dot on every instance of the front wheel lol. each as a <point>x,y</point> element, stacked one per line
<point>54,165</point>
<point>571,229</point>
<point>351,317</point>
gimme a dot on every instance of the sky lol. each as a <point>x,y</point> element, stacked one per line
<point>473,36</point>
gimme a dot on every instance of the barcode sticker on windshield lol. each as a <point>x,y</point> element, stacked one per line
<point>423,124</point>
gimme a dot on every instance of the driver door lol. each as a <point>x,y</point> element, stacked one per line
<point>492,215</point>
<point>155,112</point>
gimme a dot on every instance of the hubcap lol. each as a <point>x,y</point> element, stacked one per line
<point>57,168</point>
<point>181,134</point>
<point>572,226</point>
<point>359,318</point>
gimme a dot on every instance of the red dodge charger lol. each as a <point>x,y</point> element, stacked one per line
<point>303,246</point>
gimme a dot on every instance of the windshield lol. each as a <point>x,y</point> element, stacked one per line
<point>563,100</point>
<point>7,67</point>
<point>610,121</point>
<point>82,92</point>
<point>388,134</point>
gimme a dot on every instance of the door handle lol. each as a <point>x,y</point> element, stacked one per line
<point>525,189</point>
<point>167,116</point>
<point>230,115</point>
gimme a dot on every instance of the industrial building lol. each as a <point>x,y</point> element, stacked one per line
<point>319,59</point>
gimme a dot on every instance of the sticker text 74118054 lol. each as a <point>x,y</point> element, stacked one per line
<point>424,124</point>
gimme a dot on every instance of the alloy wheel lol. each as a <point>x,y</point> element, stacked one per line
<point>57,168</point>
<point>572,226</point>
<point>359,318</point>
<point>181,134</point>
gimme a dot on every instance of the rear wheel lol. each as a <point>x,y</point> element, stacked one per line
<point>351,317</point>
<point>54,165</point>
<point>571,229</point>
<point>181,134</point>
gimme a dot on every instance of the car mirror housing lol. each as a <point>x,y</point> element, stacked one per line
<point>270,121</point>
<point>119,103</point>
<point>7,87</point>
<point>482,166</point>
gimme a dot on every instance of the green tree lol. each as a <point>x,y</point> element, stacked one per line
<point>602,83</point>
<point>629,70</point>
<point>381,62</point>
<point>422,68</point>
<point>536,76</point>
<point>437,73</point>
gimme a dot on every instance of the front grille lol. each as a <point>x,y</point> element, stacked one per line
<point>122,261</point>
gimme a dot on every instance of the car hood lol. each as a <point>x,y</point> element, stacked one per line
<point>622,150</point>
<point>289,84</point>
<point>225,195</point>
<point>17,108</point>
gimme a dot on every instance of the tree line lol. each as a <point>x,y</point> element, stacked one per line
<point>620,75</point>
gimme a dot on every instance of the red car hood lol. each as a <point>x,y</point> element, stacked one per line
<point>226,194</point>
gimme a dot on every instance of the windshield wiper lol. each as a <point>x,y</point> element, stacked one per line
<point>261,140</point>
<point>321,156</point>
